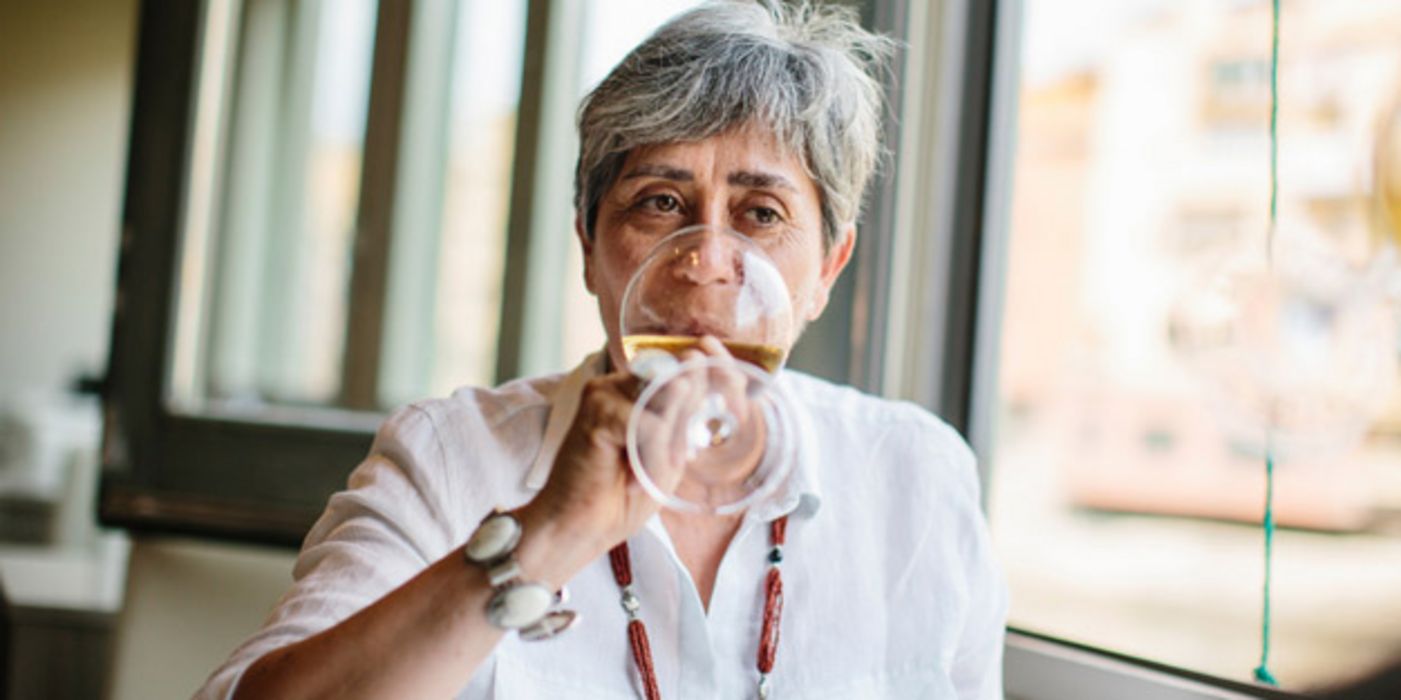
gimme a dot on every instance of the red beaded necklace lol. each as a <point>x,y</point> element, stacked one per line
<point>768,635</point>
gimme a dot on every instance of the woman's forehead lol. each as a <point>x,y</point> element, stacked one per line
<point>749,139</point>
<point>749,158</point>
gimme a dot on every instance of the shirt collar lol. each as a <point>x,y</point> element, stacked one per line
<point>802,492</point>
<point>563,405</point>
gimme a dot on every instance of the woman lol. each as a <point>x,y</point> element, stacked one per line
<point>763,119</point>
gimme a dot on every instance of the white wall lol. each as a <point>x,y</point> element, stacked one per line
<point>65,86</point>
<point>188,605</point>
<point>66,71</point>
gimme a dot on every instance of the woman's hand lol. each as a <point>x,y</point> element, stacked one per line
<point>592,500</point>
<point>591,493</point>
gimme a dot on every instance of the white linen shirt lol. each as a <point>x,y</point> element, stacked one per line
<point>890,588</point>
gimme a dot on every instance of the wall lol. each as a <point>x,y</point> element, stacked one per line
<point>65,84</point>
<point>66,69</point>
<point>188,605</point>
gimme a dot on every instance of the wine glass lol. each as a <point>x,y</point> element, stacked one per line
<point>711,430</point>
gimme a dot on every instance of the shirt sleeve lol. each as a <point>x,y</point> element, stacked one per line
<point>389,524</point>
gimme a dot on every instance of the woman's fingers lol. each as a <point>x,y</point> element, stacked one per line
<point>712,347</point>
<point>727,377</point>
<point>661,434</point>
<point>696,419</point>
<point>604,409</point>
<point>590,476</point>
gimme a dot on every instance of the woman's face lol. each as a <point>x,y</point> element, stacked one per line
<point>740,180</point>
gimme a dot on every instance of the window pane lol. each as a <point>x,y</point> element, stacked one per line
<point>611,30</point>
<point>281,240</point>
<point>455,185</point>
<point>1126,498</point>
<point>486,93</point>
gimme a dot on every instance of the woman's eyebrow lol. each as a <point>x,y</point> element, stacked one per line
<point>664,172</point>
<point>761,180</point>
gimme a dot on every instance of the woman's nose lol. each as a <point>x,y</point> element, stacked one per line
<point>712,260</point>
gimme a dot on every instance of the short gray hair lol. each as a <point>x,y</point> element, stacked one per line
<point>806,73</point>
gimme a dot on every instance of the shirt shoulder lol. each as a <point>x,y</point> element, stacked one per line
<point>495,406</point>
<point>913,450</point>
<point>510,416</point>
<point>474,445</point>
<point>847,410</point>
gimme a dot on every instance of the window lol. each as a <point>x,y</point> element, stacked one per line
<point>263,311</point>
<point>1126,506</point>
<point>272,276</point>
<point>336,208</point>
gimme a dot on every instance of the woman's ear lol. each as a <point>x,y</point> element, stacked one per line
<point>585,247</point>
<point>833,262</point>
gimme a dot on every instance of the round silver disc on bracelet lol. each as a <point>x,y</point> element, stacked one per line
<point>519,605</point>
<point>497,536</point>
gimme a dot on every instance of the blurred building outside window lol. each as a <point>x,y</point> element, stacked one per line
<point>1126,509</point>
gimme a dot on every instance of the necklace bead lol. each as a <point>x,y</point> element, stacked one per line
<point>630,602</point>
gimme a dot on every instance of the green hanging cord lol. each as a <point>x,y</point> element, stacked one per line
<point>1262,672</point>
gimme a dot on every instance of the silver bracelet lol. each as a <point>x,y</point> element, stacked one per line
<point>516,604</point>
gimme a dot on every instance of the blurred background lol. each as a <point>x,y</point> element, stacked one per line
<point>1126,506</point>
<point>65,93</point>
<point>1126,153</point>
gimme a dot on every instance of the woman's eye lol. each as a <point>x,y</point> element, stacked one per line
<point>764,215</point>
<point>662,203</point>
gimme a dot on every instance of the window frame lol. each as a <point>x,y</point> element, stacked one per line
<point>265,479</point>
<point>965,65</point>
<point>220,476</point>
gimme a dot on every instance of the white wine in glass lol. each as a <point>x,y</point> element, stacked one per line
<point>767,357</point>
